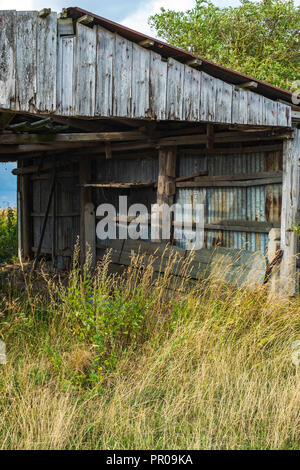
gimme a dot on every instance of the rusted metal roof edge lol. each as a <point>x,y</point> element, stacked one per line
<point>216,70</point>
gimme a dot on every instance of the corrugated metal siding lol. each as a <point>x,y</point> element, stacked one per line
<point>124,170</point>
<point>259,203</point>
<point>67,201</point>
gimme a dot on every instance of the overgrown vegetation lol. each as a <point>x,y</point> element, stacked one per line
<point>8,234</point>
<point>103,362</point>
<point>258,38</point>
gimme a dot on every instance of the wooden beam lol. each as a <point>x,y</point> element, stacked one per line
<point>19,139</point>
<point>251,84</point>
<point>290,197</point>
<point>44,12</point>
<point>210,136</point>
<point>223,137</point>
<point>119,185</point>
<point>211,183</point>
<point>166,185</point>
<point>241,176</point>
<point>85,19</point>
<point>108,152</point>
<point>232,150</point>
<point>85,174</point>
<point>146,43</point>
<point>90,233</point>
<point>194,63</point>
<point>37,255</point>
<point>26,218</point>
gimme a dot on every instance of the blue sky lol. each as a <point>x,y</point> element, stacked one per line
<point>131,13</point>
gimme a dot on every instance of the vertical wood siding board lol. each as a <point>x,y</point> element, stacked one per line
<point>85,70</point>
<point>122,90</point>
<point>158,87</point>
<point>175,90</point>
<point>208,102</point>
<point>46,63</point>
<point>104,72</point>
<point>191,101</point>
<point>8,59</point>
<point>223,101</point>
<point>290,197</point>
<point>140,81</point>
<point>68,76</point>
<point>254,108</point>
<point>59,76</point>
<point>26,66</point>
<point>283,115</point>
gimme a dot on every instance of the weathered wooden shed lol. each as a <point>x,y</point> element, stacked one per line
<point>91,110</point>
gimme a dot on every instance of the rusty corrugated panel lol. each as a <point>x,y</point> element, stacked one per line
<point>257,203</point>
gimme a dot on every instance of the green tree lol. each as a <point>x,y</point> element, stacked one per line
<point>260,39</point>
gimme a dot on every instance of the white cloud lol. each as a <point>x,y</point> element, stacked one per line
<point>139,19</point>
<point>16,5</point>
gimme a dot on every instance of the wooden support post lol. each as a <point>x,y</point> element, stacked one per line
<point>210,136</point>
<point>38,251</point>
<point>166,185</point>
<point>85,174</point>
<point>19,216</point>
<point>26,217</point>
<point>290,193</point>
<point>273,254</point>
<point>90,233</point>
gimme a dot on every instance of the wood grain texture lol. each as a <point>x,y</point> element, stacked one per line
<point>26,60</point>
<point>122,91</point>
<point>140,82</point>
<point>85,70</point>
<point>191,98</point>
<point>175,87</point>
<point>65,96</point>
<point>99,73</point>
<point>46,63</point>
<point>290,200</point>
<point>104,72</point>
<point>158,86</point>
<point>7,59</point>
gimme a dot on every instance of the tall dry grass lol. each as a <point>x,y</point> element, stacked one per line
<point>208,368</point>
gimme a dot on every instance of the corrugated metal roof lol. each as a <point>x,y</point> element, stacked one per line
<point>218,71</point>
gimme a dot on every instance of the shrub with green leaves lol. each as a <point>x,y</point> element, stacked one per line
<point>8,234</point>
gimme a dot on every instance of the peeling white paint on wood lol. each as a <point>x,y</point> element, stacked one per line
<point>26,65</point>
<point>85,70</point>
<point>140,81</point>
<point>158,86</point>
<point>7,59</point>
<point>99,73</point>
<point>46,63</point>
<point>122,95</point>
<point>65,76</point>
<point>175,87</point>
<point>104,72</point>
<point>191,99</point>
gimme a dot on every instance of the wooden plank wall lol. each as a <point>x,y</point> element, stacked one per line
<point>98,73</point>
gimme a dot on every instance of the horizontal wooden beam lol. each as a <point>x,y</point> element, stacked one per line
<point>119,185</point>
<point>25,138</point>
<point>211,183</point>
<point>232,150</point>
<point>251,84</point>
<point>223,137</point>
<point>241,176</point>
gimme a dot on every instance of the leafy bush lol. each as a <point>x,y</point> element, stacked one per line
<point>8,234</point>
